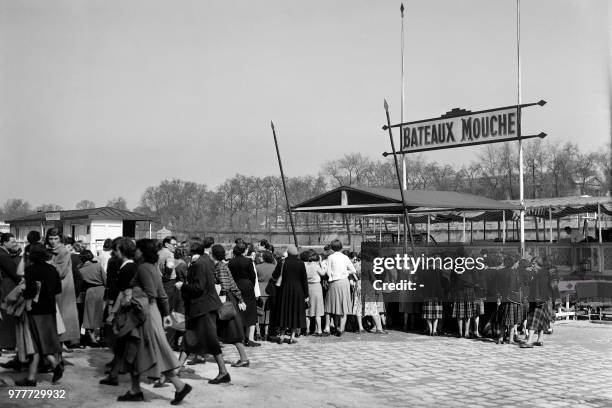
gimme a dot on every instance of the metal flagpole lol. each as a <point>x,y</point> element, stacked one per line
<point>406,219</point>
<point>280,164</point>
<point>518,127</point>
<point>404,175</point>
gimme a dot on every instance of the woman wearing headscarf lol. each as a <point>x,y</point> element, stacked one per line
<point>67,300</point>
<point>293,295</point>
<point>94,281</point>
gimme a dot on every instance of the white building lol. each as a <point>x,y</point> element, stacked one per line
<point>92,226</point>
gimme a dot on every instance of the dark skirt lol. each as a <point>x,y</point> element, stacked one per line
<point>249,316</point>
<point>201,335</point>
<point>432,309</point>
<point>231,331</point>
<point>292,308</point>
<point>43,329</point>
<point>539,317</point>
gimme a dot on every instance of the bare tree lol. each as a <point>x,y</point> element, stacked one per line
<point>85,204</point>
<point>117,202</point>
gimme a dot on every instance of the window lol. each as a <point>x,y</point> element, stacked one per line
<point>88,229</point>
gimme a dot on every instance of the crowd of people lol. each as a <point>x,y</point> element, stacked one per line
<point>158,305</point>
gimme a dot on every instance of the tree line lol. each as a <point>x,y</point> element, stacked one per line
<point>247,203</point>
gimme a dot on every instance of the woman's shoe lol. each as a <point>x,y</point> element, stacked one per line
<point>25,383</point>
<point>109,381</point>
<point>325,334</point>
<point>196,360</point>
<point>225,378</point>
<point>251,343</point>
<point>279,340</point>
<point>318,334</point>
<point>538,343</point>
<point>241,363</point>
<point>128,396</point>
<point>339,333</point>
<point>58,372</point>
<point>180,395</point>
<point>526,345</point>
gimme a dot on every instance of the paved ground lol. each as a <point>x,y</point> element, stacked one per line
<point>573,369</point>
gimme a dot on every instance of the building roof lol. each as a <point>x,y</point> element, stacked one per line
<point>101,213</point>
<point>373,200</point>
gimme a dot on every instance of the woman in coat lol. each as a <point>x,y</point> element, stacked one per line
<point>156,358</point>
<point>201,306</point>
<point>243,271</point>
<point>94,281</point>
<point>293,295</point>
<point>67,300</point>
<point>229,331</point>
<point>42,284</point>
<point>316,307</point>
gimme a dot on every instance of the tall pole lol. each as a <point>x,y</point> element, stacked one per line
<point>518,127</point>
<point>404,175</point>
<point>280,164</point>
<point>406,220</point>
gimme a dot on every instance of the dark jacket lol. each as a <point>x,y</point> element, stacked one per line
<point>198,291</point>
<point>50,285</point>
<point>8,267</point>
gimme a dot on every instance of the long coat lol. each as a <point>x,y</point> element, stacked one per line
<point>198,291</point>
<point>294,291</point>
<point>8,280</point>
<point>66,301</point>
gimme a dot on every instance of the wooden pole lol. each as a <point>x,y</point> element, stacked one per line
<point>551,223</point>
<point>407,229</point>
<point>504,226</point>
<point>599,223</point>
<point>280,164</point>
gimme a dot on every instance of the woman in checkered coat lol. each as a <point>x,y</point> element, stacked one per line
<point>463,302</point>
<point>432,293</point>
<point>540,314</point>
<point>510,312</point>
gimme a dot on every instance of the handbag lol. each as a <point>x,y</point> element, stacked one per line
<point>227,311</point>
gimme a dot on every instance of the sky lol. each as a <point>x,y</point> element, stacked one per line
<point>100,99</point>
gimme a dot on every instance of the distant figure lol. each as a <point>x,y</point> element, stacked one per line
<point>105,255</point>
<point>574,235</point>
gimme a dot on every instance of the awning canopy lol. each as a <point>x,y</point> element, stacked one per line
<point>564,206</point>
<point>371,200</point>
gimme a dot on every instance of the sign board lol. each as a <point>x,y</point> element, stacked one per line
<point>499,125</point>
<point>52,216</point>
<point>460,127</point>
